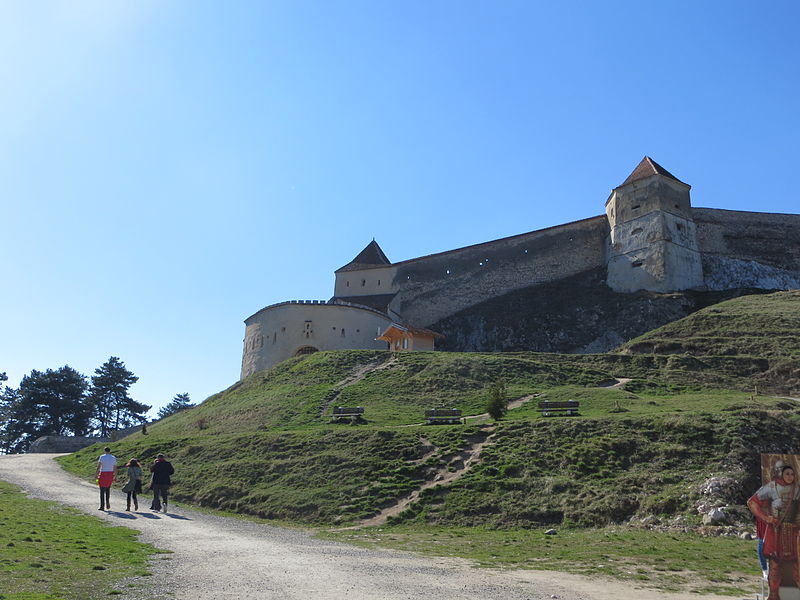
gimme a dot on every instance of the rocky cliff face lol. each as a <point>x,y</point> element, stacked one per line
<point>577,315</point>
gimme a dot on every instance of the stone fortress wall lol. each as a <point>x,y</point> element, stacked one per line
<point>653,242</point>
<point>650,238</point>
<point>287,329</point>
<point>748,249</point>
<point>433,287</point>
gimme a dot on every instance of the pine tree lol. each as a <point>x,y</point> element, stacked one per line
<point>49,403</point>
<point>178,403</point>
<point>113,408</point>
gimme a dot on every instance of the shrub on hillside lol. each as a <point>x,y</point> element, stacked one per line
<point>498,402</point>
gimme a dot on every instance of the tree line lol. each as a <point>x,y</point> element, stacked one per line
<point>66,402</point>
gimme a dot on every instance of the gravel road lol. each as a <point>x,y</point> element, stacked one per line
<point>216,558</point>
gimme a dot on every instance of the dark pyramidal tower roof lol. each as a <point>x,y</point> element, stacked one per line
<point>371,256</point>
<point>646,168</point>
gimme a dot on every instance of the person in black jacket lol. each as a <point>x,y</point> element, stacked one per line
<point>160,482</point>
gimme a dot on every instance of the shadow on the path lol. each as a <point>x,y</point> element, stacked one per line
<point>120,515</point>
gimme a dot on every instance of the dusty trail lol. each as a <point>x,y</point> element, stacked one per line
<point>222,558</point>
<point>460,464</point>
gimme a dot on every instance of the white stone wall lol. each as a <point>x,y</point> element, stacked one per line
<point>654,252</point>
<point>278,332</point>
<point>653,240</point>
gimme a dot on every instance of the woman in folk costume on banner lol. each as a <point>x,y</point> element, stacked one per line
<point>777,504</point>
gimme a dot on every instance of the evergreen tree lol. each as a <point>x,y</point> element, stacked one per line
<point>10,429</point>
<point>498,403</point>
<point>179,402</point>
<point>49,403</point>
<point>113,407</point>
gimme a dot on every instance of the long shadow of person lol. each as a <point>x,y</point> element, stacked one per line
<point>148,516</point>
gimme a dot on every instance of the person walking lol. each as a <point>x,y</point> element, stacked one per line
<point>106,471</point>
<point>161,470</point>
<point>134,484</point>
<point>776,503</point>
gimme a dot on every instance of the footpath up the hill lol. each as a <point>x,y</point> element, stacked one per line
<point>217,558</point>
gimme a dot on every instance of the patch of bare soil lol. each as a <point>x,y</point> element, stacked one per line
<point>455,467</point>
<point>614,383</point>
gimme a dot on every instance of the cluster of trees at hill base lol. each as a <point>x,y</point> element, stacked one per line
<point>64,402</point>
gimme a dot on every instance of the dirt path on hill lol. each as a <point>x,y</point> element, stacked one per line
<point>615,383</point>
<point>458,464</point>
<point>219,558</point>
<point>516,403</point>
<point>357,375</point>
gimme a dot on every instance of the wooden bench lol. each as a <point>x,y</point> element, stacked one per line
<point>440,416</point>
<point>568,408</point>
<point>347,412</point>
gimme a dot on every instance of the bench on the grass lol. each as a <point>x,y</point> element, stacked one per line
<point>568,408</point>
<point>347,412</point>
<point>447,416</point>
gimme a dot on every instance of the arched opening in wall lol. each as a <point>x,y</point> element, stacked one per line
<point>303,350</point>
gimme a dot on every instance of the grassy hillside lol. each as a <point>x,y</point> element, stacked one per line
<point>657,419</point>
<point>762,325</point>
<point>267,447</point>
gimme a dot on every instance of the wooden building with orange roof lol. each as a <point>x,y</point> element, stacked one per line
<point>404,338</point>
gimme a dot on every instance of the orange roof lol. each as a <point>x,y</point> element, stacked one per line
<point>420,331</point>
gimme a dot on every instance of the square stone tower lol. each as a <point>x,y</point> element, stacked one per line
<point>653,241</point>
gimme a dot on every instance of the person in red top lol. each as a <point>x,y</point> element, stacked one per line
<point>776,504</point>
<point>106,471</point>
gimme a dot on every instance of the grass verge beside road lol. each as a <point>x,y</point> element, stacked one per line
<point>670,561</point>
<point>51,552</point>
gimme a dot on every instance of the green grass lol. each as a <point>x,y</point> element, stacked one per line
<point>593,470</point>
<point>322,475</point>
<point>671,561</point>
<point>265,447</point>
<point>648,399</point>
<point>49,552</point>
<point>756,325</point>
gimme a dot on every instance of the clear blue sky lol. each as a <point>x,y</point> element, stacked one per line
<point>169,168</point>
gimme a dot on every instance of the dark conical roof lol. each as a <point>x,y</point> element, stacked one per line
<point>371,256</point>
<point>646,168</point>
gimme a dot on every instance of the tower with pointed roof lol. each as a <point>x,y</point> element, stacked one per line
<point>650,238</point>
<point>368,279</point>
<point>653,238</point>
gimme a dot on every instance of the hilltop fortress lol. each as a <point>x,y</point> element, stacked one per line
<point>585,286</point>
